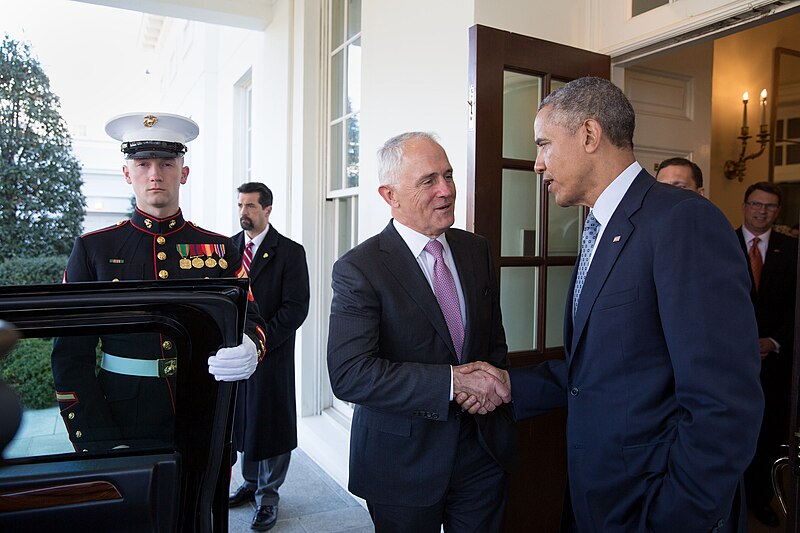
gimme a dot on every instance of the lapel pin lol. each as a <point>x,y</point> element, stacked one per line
<point>617,238</point>
<point>266,255</point>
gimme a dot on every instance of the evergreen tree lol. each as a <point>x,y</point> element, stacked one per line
<point>41,203</point>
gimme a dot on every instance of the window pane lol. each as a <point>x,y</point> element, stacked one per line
<point>556,84</point>
<point>563,228</point>
<point>337,23</point>
<point>641,6</point>
<point>352,152</point>
<point>521,94</point>
<point>557,284</point>
<point>354,76</point>
<point>793,128</point>
<point>792,154</point>
<point>337,85</point>
<point>336,163</point>
<point>345,226</point>
<point>519,215</point>
<point>353,17</point>
<point>518,297</point>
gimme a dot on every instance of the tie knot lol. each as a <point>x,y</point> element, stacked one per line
<point>434,248</point>
<point>249,245</point>
<point>756,240</point>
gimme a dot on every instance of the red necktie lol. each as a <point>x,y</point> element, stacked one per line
<point>247,257</point>
<point>756,263</point>
<point>444,286</point>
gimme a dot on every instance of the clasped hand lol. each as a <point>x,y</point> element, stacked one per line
<point>480,387</point>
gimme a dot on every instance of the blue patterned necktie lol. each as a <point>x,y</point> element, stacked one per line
<point>590,230</point>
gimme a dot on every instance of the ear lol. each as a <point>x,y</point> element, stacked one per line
<point>127,174</point>
<point>268,210</point>
<point>387,193</point>
<point>184,175</point>
<point>592,133</point>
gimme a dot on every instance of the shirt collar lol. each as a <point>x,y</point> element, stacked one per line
<point>749,236</point>
<point>611,197</point>
<point>257,240</point>
<point>415,240</point>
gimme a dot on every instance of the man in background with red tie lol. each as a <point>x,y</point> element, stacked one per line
<point>412,306</point>
<point>265,420</point>
<point>773,266</point>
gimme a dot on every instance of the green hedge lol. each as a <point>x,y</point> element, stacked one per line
<point>33,270</point>
<point>27,370</point>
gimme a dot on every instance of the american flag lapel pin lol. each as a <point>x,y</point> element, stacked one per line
<point>616,238</point>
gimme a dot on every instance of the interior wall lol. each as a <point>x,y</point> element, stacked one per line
<point>671,95</point>
<point>743,62</point>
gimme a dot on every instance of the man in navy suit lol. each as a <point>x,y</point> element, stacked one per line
<point>410,305</point>
<point>661,370</point>
<point>265,420</point>
<point>773,267</point>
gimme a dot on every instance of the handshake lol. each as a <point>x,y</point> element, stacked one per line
<point>479,387</point>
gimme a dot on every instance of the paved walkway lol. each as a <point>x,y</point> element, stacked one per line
<point>311,502</point>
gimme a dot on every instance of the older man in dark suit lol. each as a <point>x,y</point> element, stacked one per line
<point>772,258</point>
<point>661,369</point>
<point>265,423</point>
<point>410,305</point>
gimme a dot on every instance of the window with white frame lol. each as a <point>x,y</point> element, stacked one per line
<point>243,127</point>
<point>343,106</point>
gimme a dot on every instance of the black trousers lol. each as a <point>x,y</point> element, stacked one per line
<point>475,500</point>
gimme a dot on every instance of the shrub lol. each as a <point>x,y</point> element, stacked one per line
<point>27,370</point>
<point>33,270</point>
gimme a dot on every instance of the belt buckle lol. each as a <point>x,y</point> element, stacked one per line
<point>167,368</point>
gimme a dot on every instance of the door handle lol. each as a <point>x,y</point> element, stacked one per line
<point>777,467</point>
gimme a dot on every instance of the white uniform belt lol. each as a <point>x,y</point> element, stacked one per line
<point>146,368</point>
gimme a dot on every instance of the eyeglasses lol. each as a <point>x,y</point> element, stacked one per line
<point>759,205</point>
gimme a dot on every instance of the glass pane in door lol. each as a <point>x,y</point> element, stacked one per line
<point>518,297</point>
<point>557,285</point>
<point>521,96</point>
<point>519,215</point>
<point>563,228</point>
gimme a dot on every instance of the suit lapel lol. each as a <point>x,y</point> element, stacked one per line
<point>469,286</point>
<point>265,253</point>
<point>615,236</point>
<point>403,266</point>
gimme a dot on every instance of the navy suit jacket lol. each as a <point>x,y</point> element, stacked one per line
<point>661,371</point>
<point>389,352</point>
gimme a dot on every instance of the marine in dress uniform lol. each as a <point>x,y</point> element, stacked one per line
<point>130,401</point>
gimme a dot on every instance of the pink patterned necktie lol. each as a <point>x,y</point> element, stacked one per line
<point>247,257</point>
<point>444,286</point>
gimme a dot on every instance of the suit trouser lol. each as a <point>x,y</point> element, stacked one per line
<point>474,501</point>
<point>265,476</point>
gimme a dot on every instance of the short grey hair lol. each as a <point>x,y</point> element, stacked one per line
<point>390,155</point>
<point>598,99</point>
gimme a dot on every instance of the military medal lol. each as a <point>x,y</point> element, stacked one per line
<point>197,262</point>
<point>223,263</point>
<point>185,263</point>
<point>211,262</point>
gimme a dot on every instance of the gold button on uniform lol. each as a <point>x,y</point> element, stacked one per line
<point>162,255</point>
<point>71,416</point>
<point>167,345</point>
<point>160,239</point>
<point>115,279</point>
<point>163,274</point>
<point>78,434</point>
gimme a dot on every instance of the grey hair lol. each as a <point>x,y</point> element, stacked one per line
<point>598,99</point>
<point>390,155</point>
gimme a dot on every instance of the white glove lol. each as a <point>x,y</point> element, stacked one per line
<point>234,364</point>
